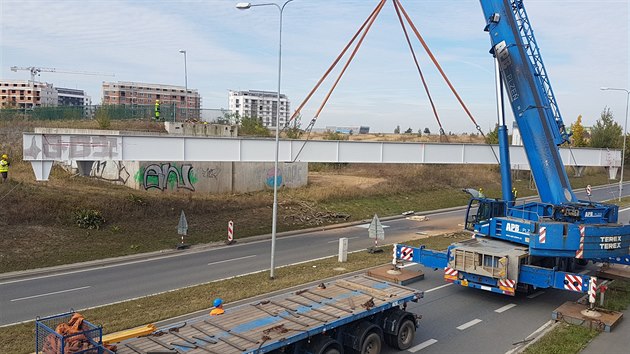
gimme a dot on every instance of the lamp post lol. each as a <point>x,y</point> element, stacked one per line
<point>245,6</point>
<point>625,126</point>
<point>185,83</point>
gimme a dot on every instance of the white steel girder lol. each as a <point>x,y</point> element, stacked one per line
<point>43,149</point>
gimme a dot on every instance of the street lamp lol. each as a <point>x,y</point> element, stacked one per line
<point>625,126</point>
<point>185,83</point>
<point>245,6</point>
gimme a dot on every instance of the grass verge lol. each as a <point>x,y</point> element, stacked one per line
<point>567,338</point>
<point>129,314</point>
<point>563,339</point>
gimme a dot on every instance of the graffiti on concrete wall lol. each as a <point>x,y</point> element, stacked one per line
<point>212,173</point>
<point>80,147</point>
<point>293,174</point>
<point>289,175</point>
<point>270,178</point>
<point>111,171</point>
<point>167,176</point>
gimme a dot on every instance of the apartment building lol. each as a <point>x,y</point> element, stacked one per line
<point>72,97</point>
<point>27,94</point>
<point>137,93</point>
<point>261,105</point>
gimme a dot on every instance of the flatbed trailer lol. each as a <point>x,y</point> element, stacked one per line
<point>357,313</point>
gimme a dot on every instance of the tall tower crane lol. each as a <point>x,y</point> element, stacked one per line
<point>35,70</point>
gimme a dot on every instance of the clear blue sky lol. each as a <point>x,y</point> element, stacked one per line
<point>585,45</point>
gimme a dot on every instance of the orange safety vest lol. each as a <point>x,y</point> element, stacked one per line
<point>217,311</point>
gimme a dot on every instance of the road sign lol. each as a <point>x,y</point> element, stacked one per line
<point>588,190</point>
<point>375,230</point>
<point>182,227</point>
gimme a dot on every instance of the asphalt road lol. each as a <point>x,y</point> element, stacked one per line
<point>23,297</point>
<point>456,319</point>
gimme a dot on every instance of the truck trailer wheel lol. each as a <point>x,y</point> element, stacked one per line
<point>404,338</point>
<point>371,344</point>
<point>325,345</point>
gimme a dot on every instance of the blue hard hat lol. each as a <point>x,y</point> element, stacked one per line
<point>218,302</point>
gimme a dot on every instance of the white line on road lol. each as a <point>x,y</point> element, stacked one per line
<point>504,308</point>
<point>624,209</point>
<point>337,241</point>
<point>469,324</point>
<point>233,259</point>
<point>53,293</point>
<point>438,287</point>
<point>536,294</point>
<point>531,336</point>
<point>423,345</point>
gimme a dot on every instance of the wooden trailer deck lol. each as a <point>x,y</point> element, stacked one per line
<point>285,318</point>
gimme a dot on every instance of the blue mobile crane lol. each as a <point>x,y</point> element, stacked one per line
<point>536,244</point>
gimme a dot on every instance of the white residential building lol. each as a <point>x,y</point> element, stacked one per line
<point>261,105</point>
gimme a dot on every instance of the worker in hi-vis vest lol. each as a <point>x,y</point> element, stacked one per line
<point>218,307</point>
<point>157,110</point>
<point>4,167</point>
<point>514,194</point>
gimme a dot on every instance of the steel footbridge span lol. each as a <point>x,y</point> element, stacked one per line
<point>43,149</point>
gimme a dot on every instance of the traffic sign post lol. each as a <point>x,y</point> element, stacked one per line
<point>230,234</point>
<point>182,229</point>
<point>376,231</point>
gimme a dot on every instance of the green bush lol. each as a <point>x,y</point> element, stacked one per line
<point>88,219</point>
<point>102,118</point>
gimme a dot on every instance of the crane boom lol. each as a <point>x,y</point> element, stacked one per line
<point>35,70</point>
<point>530,96</point>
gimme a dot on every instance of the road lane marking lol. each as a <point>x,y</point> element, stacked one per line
<point>438,287</point>
<point>52,293</point>
<point>536,294</point>
<point>366,226</point>
<point>423,345</point>
<point>504,308</point>
<point>337,241</point>
<point>624,209</point>
<point>233,259</point>
<point>469,324</point>
<point>531,336</point>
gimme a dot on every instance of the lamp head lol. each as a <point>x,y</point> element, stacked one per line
<point>603,88</point>
<point>182,51</point>
<point>243,5</point>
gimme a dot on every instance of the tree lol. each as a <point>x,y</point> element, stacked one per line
<point>427,131</point>
<point>409,131</point>
<point>493,136</point>
<point>419,131</point>
<point>229,118</point>
<point>578,138</point>
<point>295,131</point>
<point>606,133</point>
<point>253,127</point>
<point>397,130</point>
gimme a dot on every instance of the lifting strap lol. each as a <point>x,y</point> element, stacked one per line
<point>415,59</point>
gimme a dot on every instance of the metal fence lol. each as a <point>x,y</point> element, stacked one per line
<point>48,341</point>
<point>115,112</point>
